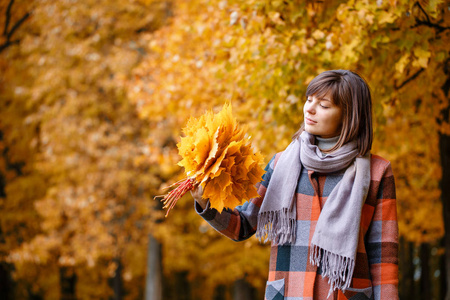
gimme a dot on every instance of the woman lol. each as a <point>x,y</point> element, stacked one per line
<point>326,204</point>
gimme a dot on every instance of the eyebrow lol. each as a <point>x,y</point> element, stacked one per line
<point>320,98</point>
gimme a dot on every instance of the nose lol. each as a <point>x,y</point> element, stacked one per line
<point>310,108</point>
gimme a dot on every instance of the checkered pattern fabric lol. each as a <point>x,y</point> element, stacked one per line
<point>291,276</point>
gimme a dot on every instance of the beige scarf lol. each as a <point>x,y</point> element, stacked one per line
<point>335,239</point>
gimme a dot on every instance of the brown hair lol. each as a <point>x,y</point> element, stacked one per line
<point>350,92</point>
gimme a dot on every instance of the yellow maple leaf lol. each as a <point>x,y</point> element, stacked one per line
<point>216,155</point>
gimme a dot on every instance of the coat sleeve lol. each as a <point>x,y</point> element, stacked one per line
<point>382,246</point>
<point>240,223</point>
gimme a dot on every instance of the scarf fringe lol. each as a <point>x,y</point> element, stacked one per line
<point>338,268</point>
<point>277,227</point>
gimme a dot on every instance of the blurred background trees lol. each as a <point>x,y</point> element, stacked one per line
<point>93,96</point>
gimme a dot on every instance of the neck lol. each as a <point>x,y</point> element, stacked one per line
<point>326,143</point>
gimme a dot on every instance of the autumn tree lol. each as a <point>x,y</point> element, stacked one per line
<point>260,55</point>
<point>76,166</point>
<point>20,221</point>
<point>93,100</point>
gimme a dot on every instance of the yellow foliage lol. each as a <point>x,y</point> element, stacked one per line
<point>218,156</point>
<point>78,166</point>
<point>262,55</point>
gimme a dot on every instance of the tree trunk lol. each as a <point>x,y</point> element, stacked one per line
<point>68,280</point>
<point>425,279</point>
<point>182,286</point>
<point>220,293</point>
<point>445,196</point>
<point>242,290</point>
<point>117,281</point>
<point>444,149</point>
<point>153,283</point>
<point>5,282</point>
<point>443,275</point>
<point>406,265</point>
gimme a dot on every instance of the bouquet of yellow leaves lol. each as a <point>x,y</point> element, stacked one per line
<point>217,155</point>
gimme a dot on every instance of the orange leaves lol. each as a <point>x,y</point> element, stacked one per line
<point>216,154</point>
<point>70,87</point>
<point>237,173</point>
<point>228,168</point>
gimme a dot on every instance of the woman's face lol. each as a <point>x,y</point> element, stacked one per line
<point>323,118</point>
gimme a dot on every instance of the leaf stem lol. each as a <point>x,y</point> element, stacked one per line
<point>183,186</point>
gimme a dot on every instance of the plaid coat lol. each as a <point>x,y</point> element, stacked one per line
<point>291,276</point>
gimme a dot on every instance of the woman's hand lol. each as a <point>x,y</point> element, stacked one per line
<point>197,194</point>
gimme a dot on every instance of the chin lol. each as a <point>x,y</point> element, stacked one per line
<point>311,131</point>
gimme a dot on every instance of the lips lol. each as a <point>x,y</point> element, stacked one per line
<point>309,121</point>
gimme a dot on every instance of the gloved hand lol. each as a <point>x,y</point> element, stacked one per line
<point>197,194</point>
